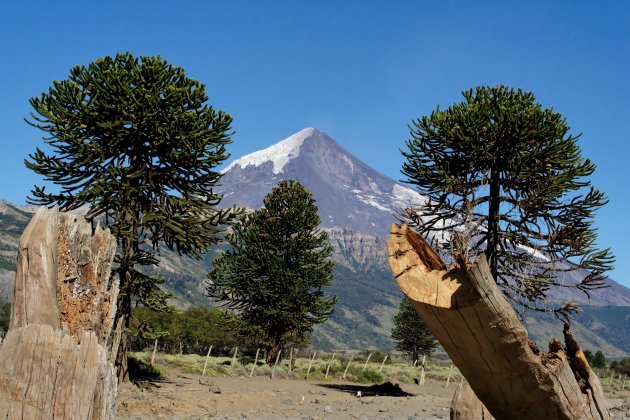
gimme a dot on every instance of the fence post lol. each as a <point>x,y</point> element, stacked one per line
<point>383,362</point>
<point>366,362</point>
<point>154,351</point>
<point>310,364</point>
<point>273,370</point>
<point>255,363</point>
<point>205,365</point>
<point>290,368</point>
<point>329,365</point>
<point>448,380</point>
<point>422,371</point>
<point>349,363</point>
<point>234,357</point>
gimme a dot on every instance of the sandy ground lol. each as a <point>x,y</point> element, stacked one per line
<point>193,397</point>
<point>185,396</point>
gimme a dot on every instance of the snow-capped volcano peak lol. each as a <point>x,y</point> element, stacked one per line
<point>348,192</point>
<point>278,154</point>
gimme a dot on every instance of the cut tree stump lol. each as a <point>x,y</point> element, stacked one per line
<point>466,406</point>
<point>53,361</point>
<point>470,317</point>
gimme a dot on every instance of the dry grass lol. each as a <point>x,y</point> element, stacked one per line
<point>357,372</point>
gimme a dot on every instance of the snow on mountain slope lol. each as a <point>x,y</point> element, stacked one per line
<point>348,192</point>
<point>278,154</point>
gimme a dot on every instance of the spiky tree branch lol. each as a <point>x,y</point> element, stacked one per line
<point>502,160</point>
<point>134,139</point>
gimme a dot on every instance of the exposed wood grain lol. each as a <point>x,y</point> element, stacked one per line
<point>480,331</point>
<point>53,361</point>
<point>35,281</point>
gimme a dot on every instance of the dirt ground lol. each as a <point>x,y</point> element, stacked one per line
<point>186,396</point>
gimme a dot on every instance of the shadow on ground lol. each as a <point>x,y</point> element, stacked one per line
<point>386,389</point>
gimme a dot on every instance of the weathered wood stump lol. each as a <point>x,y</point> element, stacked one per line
<point>468,314</point>
<point>466,406</point>
<point>53,361</point>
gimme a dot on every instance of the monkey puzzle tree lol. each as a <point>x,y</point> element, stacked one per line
<point>411,334</point>
<point>134,139</point>
<point>503,176</point>
<point>274,275</point>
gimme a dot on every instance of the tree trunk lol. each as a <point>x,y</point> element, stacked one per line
<point>53,362</point>
<point>493,221</point>
<point>467,313</point>
<point>272,351</point>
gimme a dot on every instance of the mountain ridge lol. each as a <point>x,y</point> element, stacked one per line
<point>356,205</point>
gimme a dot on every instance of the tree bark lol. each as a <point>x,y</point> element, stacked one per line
<point>53,362</point>
<point>467,313</point>
<point>272,351</point>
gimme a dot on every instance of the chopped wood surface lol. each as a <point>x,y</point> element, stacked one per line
<point>480,331</point>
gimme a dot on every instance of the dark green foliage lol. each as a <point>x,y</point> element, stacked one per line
<point>135,140</point>
<point>139,370</point>
<point>411,334</point>
<point>195,330</point>
<point>596,360</point>
<point>503,172</point>
<point>599,361</point>
<point>589,357</point>
<point>274,275</point>
<point>622,366</point>
<point>5,317</point>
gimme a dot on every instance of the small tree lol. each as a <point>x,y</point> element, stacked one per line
<point>599,361</point>
<point>275,273</point>
<point>589,357</point>
<point>411,334</point>
<point>503,176</point>
<point>134,139</point>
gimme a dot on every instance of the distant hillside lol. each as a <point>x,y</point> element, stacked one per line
<point>356,205</point>
<point>13,221</point>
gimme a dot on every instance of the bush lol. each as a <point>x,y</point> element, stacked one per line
<point>141,370</point>
<point>622,366</point>
<point>196,329</point>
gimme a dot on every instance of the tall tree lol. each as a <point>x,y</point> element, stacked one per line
<point>411,334</point>
<point>275,273</point>
<point>503,175</point>
<point>134,139</point>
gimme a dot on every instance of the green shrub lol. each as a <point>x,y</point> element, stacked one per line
<point>140,369</point>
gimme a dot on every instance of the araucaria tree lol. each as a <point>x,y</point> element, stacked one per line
<point>503,176</point>
<point>275,273</point>
<point>411,334</point>
<point>134,139</point>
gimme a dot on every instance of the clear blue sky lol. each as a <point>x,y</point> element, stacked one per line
<point>357,70</point>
